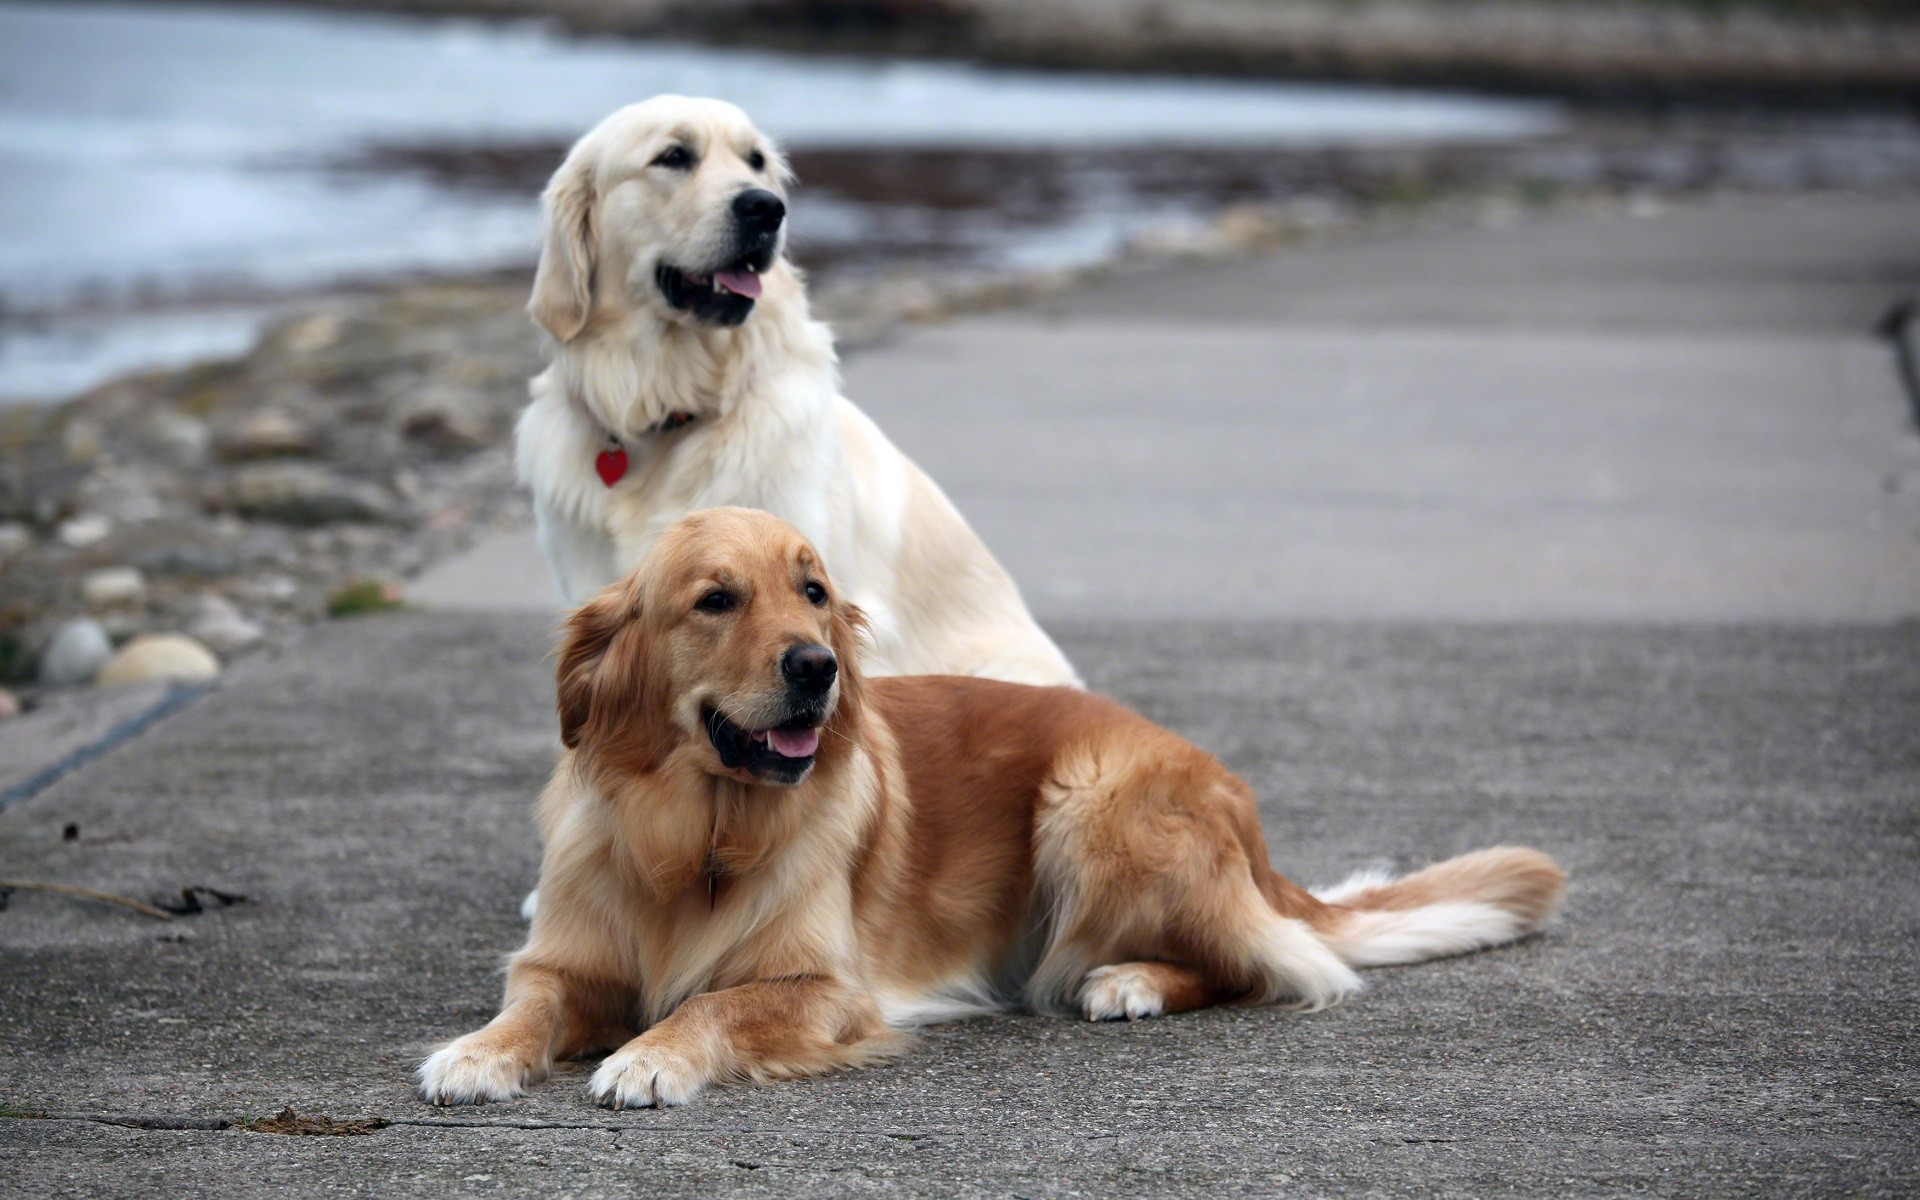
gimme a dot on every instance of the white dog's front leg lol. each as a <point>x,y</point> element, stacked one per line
<point>582,559</point>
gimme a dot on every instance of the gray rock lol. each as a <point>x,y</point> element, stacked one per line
<point>14,537</point>
<point>181,439</point>
<point>81,441</point>
<point>76,654</point>
<point>112,586</point>
<point>446,419</point>
<point>270,434</point>
<point>159,656</point>
<point>39,487</point>
<point>307,334</point>
<point>188,558</point>
<point>298,494</point>
<point>223,627</point>
<point>121,623</point>
<point>128,494</point>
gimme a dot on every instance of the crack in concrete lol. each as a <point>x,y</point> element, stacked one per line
<point>177,698</point>
<point>159,1121</point>
<point>174,1122</point>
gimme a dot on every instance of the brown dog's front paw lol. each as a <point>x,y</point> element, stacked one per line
<point>1125,991</point>
<point>641,1075</point>
<point>466,1072</point>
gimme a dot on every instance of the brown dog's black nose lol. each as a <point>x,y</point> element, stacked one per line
<point>809,668</point>
<point>759,210</point>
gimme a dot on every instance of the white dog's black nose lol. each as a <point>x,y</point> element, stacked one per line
<point>809,668</point>
<point>759,210</point>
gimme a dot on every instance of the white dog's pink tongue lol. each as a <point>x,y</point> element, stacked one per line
<point>740,282</point>
<point>794,743</point>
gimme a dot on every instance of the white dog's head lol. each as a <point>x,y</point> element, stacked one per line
<point>677,204</point>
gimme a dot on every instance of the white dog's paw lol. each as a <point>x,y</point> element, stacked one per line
<point>644,1076</point>
<point>530,905</point>
<point>468,1072</point>
<point>1127,990</point>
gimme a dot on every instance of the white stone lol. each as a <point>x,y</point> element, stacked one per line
<point>75,654</point>
<point>159,656</point>
<point>9,705</point>
<point>310,334</point>
<point>223,627</point>
<point>109,587</point>
<point>268,589</point>
<point>303,494</point>
<point>82,531</point>
<point>14,537</point>
<point>270,434</point>
<point>210,606</point>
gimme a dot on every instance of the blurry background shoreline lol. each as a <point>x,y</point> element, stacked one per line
<point>199,171</point>
<point>180,171</point>
<point>1817,52</point>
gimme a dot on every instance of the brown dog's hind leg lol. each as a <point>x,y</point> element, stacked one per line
<point>1148,851</point>
<point>770,1029</point>
<point>1134,990</point>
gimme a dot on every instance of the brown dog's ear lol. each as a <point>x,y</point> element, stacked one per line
<point>563,283</point>
<point>588,635</point>
<point>612,700</point>
<point>849,638</point>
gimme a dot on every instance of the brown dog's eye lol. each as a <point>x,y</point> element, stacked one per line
<point>675,158</point>
<point>757,161</point>
<point>816,593</point>
<point>717,600</point>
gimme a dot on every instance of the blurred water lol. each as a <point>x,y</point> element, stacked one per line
<point>152,154</point>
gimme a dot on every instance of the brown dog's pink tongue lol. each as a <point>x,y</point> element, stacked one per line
<point>741,283</point>
<point>794,743</point>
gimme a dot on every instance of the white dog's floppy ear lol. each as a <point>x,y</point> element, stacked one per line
<point>781,168</point>
<point>563,284</point>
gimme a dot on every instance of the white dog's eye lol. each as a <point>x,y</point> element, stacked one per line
<point>757,161</point>
<point>674,158</point>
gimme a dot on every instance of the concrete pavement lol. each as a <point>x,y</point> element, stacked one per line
<point>1726,1008</point>
<point>1705,706</point>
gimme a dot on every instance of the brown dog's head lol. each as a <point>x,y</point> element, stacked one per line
<point>727,649</point>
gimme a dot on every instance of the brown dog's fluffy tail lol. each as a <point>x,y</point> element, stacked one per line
<point>1467,903</point>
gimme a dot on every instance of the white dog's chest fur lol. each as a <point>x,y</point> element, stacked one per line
<point>781,438</point>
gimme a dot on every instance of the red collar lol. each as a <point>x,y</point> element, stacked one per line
<point>611,464</point>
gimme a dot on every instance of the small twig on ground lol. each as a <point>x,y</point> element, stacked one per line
<point>67,889</point>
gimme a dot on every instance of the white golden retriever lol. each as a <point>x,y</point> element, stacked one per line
<point>687,374</point>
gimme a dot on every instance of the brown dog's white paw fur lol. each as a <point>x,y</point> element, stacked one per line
<point>1125,991</point>
<point>469,1071</point>
<point>641,1075</point>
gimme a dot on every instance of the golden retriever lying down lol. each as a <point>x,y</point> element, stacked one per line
<point>758,864</point>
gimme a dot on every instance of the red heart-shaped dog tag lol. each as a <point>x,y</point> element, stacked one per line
<point>612,465</point>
